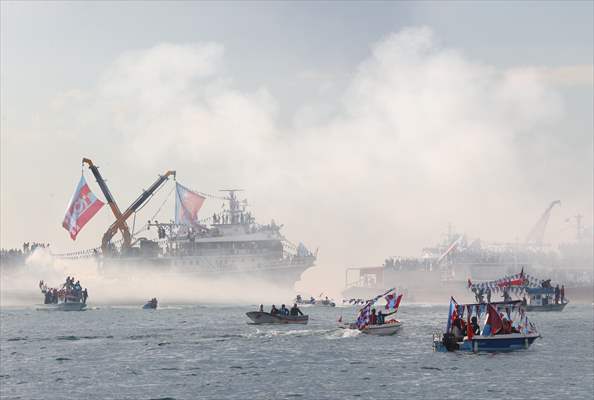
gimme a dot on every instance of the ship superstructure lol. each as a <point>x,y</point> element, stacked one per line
<point>228,243</point>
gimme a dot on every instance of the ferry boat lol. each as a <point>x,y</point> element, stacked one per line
<point>500,327</point>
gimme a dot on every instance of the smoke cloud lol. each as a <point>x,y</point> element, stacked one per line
<point>421,135</point>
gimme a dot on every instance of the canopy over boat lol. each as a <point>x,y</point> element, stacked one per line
<point>541,295</point>
<point>501,326</point>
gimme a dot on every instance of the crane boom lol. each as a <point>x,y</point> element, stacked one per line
<point>122,225</point>
<point>111,231</point>
<point>536,234</point>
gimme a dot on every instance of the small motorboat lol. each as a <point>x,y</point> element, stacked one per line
<point>497,334</point>
<point>543,299</point>
<point>151,304</point>
<point>370,323</point>
<point>261,317</point>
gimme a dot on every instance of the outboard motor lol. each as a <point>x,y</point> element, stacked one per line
<point>449,341</point>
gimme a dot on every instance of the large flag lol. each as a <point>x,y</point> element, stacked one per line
<point>187,205</point>
<point>494,320</point>
<point>83,205</point>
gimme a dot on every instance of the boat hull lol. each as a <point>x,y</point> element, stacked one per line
<point>260,318</point>
<point>546,307</point>
<point>382,330</point>
<point>149,306</point>
<point>387,329</point>
<point>62,307</point>
<point>497,343</point>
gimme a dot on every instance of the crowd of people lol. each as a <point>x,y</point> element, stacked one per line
<point>17,256</point>
<point>70,291</point>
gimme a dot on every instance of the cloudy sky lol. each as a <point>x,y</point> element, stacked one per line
<point>365,128</point>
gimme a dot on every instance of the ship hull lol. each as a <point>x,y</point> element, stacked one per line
<point>282,273</point>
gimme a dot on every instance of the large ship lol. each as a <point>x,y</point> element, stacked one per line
<point>230,243</point>
<point>444,269</point>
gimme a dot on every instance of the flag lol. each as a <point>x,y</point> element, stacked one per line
<point>494,320</point>
<point>82,207</point>
<point>187,205</point>
<point>451,314</point>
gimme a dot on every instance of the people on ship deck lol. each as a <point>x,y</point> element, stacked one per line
<point>488,295</point>
<point>261,308</point>
<point>562,292</point>
<point>295,311</point>
<point>273,310</point>
<point>284,310</point>
<point>373,317</point>
<point>557,294</point>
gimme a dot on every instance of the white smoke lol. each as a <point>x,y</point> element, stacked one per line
<point>422,135</point>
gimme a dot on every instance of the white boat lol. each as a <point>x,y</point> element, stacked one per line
<point>367,315</point>
<point>387,329</point>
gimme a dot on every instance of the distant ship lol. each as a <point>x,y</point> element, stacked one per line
<point>443,269</point>
<point>229,243</point>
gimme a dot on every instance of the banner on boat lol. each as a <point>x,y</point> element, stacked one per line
<point>392,303</point>
<point>82,207</point>
<point>516,283</point>
<point>187,205</point>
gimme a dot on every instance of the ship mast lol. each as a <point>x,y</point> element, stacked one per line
<point>235,210</point>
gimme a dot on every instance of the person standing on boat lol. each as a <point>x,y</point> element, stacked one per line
<point>295,311</point>
<point>373,317</point>
<point>380,318</point>
<point>261,308</point>
<point>476,329</point>
<point>85,295</point>
<point>557,294</point>
<point>488,295</point>
<point>562,292</point>
<point>273,310</point>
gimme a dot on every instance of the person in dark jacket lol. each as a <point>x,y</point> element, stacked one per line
<point>295,311</point>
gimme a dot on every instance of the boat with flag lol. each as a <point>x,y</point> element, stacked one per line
<point>486,327</point>
<point>372,318</point>
<point>536,294</point>
<point>228,243</point>
<point>69,296</point>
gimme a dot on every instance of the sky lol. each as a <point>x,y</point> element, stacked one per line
<point>364,127</point>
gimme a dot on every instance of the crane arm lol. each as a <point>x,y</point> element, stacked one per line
<point>111,231</point>
<point>536,234</point>
<point>122,225</point>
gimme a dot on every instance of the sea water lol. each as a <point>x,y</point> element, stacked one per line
<point>211,352</point>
